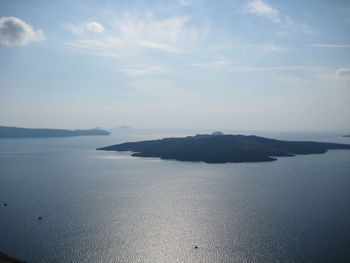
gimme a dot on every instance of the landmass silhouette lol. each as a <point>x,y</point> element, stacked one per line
<point>220,148</point>
<point>15,132</point>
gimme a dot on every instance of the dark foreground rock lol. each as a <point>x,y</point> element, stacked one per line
<point>222,148</point>
<point>7,259</point>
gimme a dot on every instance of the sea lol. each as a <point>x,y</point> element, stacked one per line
<point>99,206</point>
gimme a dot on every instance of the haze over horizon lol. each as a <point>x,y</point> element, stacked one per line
<point>190,64</point>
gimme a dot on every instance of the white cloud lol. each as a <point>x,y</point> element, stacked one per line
<point>149,29</point>
<point>260,8</point>
<point>329,45</point>
<point>265,47</point>
<point>75,29</point>
<point>16,32</point>
<point>84,28</point>
<point>257,47</point>
<point>289,26</point>
<point>129,34</point>
<point>345,72</point>
<point>225,64</point>
<point>95,27</point>
<point>159,46</point>
<point>106,47</point>
<point>285,23</point>
<point>265,69</point>
<point>142,70</point>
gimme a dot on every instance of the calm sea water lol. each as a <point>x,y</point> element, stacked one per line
<point>109,207</point>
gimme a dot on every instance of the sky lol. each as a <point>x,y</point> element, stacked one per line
<point>182,64</point>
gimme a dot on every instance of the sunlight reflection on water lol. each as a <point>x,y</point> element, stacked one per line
<point>111,207</point>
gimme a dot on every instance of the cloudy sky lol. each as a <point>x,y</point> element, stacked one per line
<point>194,64</point>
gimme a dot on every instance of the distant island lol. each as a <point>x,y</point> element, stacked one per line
<point>220,148</point>
<point>14,132</point>
<point>347,135</point>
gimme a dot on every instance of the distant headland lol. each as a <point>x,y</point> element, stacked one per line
<point>346,135</point>
<point>220,148</point>
<point>15,132</point>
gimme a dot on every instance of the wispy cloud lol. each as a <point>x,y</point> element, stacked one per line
<point>16,32</point>
<point>265,69</point>
<point>226,65</point>
<point>115,47</point>
<point>107,47</point>
<point>260,8</point>
<point>344,72</point>
<point>264,47</point>
<point>286,24</point>
<point>76,30</point>
<point>142,70</point>
<point>160,46</point>
<point>261,48</point>
<point>330,45</point>
<point>289,26</point>
<point>95,27</point>
<point>84,29</point>
<point>131,33</point>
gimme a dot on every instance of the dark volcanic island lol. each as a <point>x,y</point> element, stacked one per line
<point>219,148</point>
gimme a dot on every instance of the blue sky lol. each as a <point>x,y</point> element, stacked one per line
<point>192,64</point>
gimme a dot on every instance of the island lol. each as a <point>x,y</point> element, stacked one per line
<point>15,132</point>
<point>346,135</point>
<point>221,148</point>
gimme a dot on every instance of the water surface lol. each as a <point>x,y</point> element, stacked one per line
<point>109,207</point>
